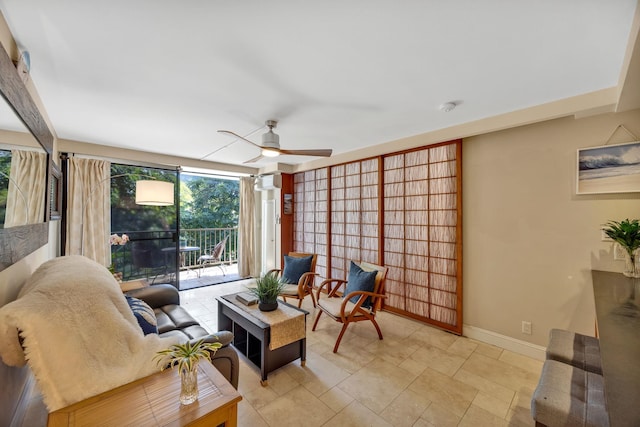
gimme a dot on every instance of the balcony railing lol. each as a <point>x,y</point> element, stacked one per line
<point>206,239</point>
<point>150,254</point>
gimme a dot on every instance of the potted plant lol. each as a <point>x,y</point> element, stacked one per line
<point>186,357</point>
<point>267,289</point>
<point>626,233</point>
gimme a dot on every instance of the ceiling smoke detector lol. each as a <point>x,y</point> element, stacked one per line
<point>447,106</point>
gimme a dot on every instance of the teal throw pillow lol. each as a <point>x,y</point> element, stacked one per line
<point>295,267</point>
<point>144,315</point>
<point>360,280</point>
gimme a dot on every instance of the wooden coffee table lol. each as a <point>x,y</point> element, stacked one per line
<point>251,337</point>
<point>154,401</point>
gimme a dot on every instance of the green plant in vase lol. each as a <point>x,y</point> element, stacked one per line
<point>186,357</point>
<point>626,233</point>
<point>267,289</point>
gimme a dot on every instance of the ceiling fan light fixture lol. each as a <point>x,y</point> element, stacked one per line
<point>266,152</point>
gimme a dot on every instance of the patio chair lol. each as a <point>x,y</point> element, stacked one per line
<point>214,256</point>
<point>299,274</point>
<point>149,260</point>
<point>360,300</point>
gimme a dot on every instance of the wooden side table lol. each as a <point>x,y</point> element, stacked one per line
<point>154,401</point>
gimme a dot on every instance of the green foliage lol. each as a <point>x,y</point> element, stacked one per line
<point>626,233</point>
<point>209,202</point>
<point>5,168</point>
<point>268,287</point>
<point>184,356</point>
<point>125,214</point>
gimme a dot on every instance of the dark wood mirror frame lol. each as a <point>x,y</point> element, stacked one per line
<point>18,242</point>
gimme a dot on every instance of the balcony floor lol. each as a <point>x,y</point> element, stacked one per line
<point>208,276</point>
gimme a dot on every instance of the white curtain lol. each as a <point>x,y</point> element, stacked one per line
<point>27,184</point>
<point>89,209</point>
<point>246,228</point>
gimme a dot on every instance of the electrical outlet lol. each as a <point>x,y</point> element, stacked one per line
<point>618,252</point>
<point>526,327</point>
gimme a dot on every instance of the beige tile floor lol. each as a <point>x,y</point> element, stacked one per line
<point>417,376</point>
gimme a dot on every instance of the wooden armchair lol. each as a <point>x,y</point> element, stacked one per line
<point>354,305</point>
<point>299,272</point>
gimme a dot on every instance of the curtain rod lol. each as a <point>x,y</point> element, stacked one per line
<point>122,161</point>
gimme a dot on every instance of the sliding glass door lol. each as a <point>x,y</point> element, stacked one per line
<point>152,248</point>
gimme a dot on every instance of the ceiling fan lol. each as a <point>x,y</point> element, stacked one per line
<point>271,145</point>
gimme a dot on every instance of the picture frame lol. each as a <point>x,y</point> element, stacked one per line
<point>55,193</point>
<point>608,169</point>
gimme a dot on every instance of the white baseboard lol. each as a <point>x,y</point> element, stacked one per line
<point>517,346</point>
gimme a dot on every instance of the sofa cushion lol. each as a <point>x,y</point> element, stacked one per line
<point>144,315</point>
<point>360,280</point>
<point>295,267</point>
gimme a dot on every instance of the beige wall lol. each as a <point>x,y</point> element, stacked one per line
<point>529,241</point>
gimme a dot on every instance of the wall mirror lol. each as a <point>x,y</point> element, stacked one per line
<point>23,168</point>
<point>23,129</point>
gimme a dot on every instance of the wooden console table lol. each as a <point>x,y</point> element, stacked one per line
<point>617,301</point>
<point>154,401</point>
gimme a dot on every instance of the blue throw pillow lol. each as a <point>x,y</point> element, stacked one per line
<point>360,280</point>
<point>144,315</point>
<point>295,267</point>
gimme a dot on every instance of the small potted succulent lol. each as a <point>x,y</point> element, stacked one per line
<point>186,357</point>
<point>626,233</point>
<point>267,289</point>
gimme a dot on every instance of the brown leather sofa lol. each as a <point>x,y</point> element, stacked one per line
<point>174,320</point>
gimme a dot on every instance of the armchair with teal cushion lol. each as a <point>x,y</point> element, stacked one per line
<point>298,273</point>
<point>360,300</point>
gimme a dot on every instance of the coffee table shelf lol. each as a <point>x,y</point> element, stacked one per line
<point>251,337</point>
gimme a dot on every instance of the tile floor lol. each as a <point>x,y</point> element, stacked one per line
<point>417,376</point>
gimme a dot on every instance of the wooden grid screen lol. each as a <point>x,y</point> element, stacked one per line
<point>421,235</point>
<point>354,215</point>
<point>421,220</point>
<point>310,216</point>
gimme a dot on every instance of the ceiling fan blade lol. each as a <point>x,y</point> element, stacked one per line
<point>319,153</point>
<point>228,132</point>
<point>255,159</point>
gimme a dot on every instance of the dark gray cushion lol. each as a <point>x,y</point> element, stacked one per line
<point>295,267</point>
<point>360,280</point>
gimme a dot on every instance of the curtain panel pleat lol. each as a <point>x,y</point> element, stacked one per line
<point>89,209</point>
<point>246,228</point>
<point>26,193</point>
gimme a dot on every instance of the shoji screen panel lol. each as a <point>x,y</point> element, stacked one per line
<point>322,223</point>
<point>338,222</point>
<point>422,234</point>
<point>310,216</point>
<point>370,215</point>
<point>354,215</point>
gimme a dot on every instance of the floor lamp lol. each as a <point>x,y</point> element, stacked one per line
<point>149,192</point>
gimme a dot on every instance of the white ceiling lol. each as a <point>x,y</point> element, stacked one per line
<point>164,76</point>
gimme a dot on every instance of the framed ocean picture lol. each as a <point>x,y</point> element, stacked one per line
<point>609,169</point>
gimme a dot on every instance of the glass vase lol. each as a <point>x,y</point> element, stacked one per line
<point>631,264</point>
<point>189,384</point>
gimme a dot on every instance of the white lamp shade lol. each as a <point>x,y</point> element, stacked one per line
<point>266,152</point>
<point>154,193</point>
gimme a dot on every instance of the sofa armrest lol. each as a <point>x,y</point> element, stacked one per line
<point>223,337</point>
<point>157,295</point>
